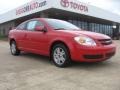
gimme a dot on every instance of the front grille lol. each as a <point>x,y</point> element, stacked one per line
<point>105,41</point>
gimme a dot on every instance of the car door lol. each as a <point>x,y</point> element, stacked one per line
<point>21,35</point>
<point>37,41</point>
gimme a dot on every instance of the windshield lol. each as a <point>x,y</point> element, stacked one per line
<point>61,25</point>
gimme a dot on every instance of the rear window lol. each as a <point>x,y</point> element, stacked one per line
<point>21,26</point>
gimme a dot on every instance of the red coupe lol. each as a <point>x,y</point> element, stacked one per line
<point>63,42</point>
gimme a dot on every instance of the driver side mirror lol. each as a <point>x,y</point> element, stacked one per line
<point>40,28</point>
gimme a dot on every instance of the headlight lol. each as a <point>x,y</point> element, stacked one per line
<point>83,40</point>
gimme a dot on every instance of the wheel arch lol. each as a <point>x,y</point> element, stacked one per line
<point>59,42</point>
<point>12,39</point>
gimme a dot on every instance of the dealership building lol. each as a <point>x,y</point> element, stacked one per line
<point>85,16</point>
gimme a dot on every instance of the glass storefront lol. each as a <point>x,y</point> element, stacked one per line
<point>94,27</point>
<point>119,29</point>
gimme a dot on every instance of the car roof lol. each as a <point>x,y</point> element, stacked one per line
<point>42,19</point>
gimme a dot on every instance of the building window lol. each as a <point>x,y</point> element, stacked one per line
<point>94,27</point>
<point>119,29</point>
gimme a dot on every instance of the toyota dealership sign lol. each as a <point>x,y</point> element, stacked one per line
<point>67,4</point>
<point>74,5</point>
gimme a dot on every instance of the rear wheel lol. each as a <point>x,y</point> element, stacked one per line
<point>60,55</point>
<point>13,48</point>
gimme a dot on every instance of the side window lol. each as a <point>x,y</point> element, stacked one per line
<point>31,25</point>
<point>39,23</point>
<point>21,26</point>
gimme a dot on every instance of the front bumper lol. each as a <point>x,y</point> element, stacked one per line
<point>93,54</point>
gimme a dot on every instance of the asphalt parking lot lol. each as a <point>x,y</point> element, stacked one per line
<point>34,72</point>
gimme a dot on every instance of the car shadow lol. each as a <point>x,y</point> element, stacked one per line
<point>74,65</point>
<point>95,65</point>
<point>36,57</point>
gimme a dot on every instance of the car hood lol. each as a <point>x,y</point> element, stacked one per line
<point>93,35</point>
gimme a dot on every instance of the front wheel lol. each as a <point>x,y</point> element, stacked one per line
<point>13,48</point>
<point>60,55</point>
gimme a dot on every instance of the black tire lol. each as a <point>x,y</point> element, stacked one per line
<point>13,48</point>
<point>64,60</point>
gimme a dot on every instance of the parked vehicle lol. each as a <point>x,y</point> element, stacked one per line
<point>63,42</point>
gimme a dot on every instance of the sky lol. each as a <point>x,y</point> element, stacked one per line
<point>110,5</point>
